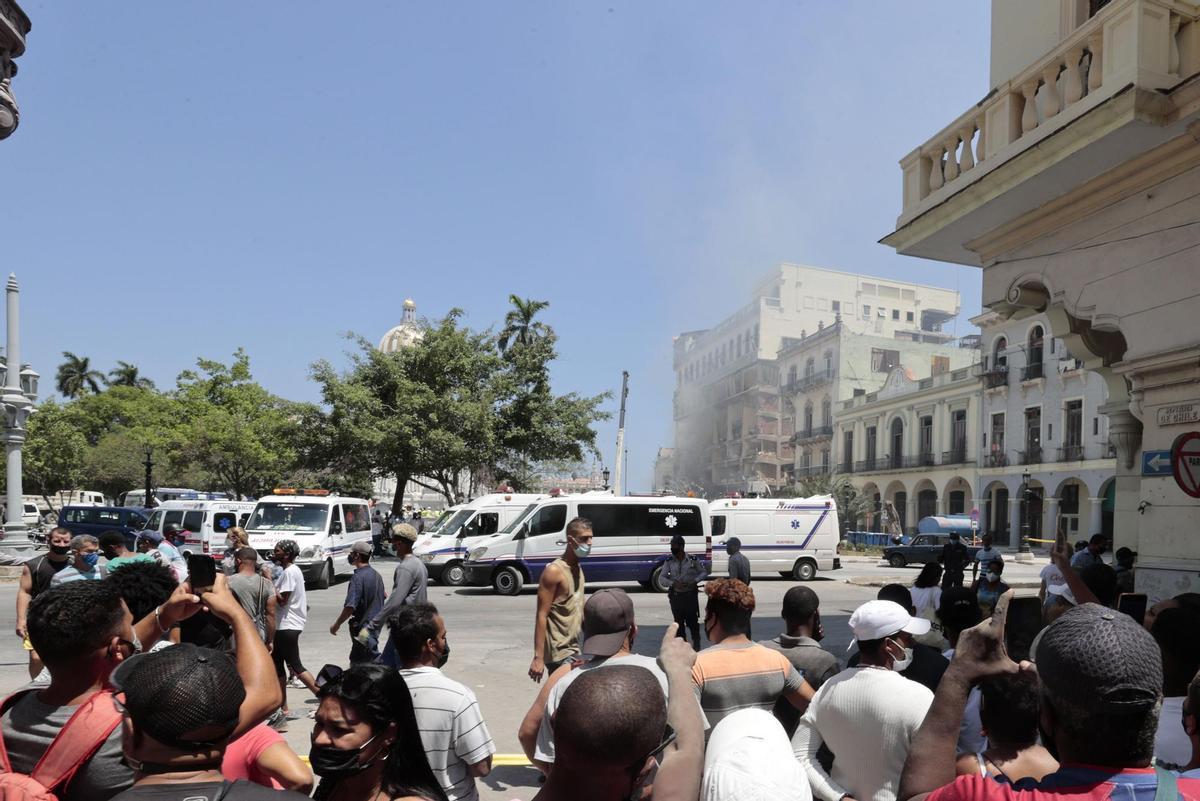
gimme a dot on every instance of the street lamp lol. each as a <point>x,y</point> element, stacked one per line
<point>605,474</point>
<point>149,463</point>
<point>1023,547</point>
<point>19,393</point>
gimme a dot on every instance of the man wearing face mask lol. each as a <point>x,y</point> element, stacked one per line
<point>85,562</point>
<point>683,573</point>
<point>364,598</point>
<point>35,578</point>
<point>560,603</point>
<point>866,710</point>
<point>456,740</point>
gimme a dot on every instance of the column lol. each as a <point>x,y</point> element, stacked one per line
<point>1125,433</point>
<point>1050,526</point>
<point>17,408</point>
<point>1095,516</point>
<point>1014,521</point>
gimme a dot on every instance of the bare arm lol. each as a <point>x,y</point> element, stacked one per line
<point>342,618</point>
<point>681,769</point>
<point>800,698</point>
<point>280,762</point>
<point>528,731</point>
<point>272,620</point>
<point>24,596</point>
<point>548,586</point>
<point>481,768</point>
<point>153,627</point>
<point>263,694</point>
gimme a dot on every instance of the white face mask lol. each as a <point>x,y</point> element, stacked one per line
<point>993,577</point>
<point>902,664</point>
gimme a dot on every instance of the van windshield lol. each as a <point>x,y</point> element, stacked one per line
<point>518,520</point>
<point>437,524</point>
<point>281,516</point>
<point>455,523</point>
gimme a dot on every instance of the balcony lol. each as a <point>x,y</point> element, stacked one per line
<point>996,459</point>
<point>811,470</point>
<point>814,380</point>
<point>923,459</point>
<point>1070,453</point>
<point>847,466</point>
<point>1032,372</point>
<point>814,433</point>
<point>995,378</point>
<point>1032,455</point>
<point>1070,115</point>
<point>956,456</point>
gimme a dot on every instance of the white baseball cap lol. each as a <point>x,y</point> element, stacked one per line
<point>1064,592</point>
<point>875,620</point>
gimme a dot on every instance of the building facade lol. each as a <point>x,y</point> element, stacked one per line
<point>913,443</point>
<point>664,470</point>
<point>1072,185</point>
<point>1041,415</point>
<point>14,27</point>
<point>730,432</point>
<point>834,363</point>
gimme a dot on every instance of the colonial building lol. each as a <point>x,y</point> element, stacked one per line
<point>913,443</point>
<point>1041,415</point>
<point>664,470</point>
<point>14,27</point>
<point>1072,184</point>
<point>730,433</point>
<point>834,363</point>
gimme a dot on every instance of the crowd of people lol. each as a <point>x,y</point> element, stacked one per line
<point>149,686</point>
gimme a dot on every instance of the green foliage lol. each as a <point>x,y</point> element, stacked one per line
<point>126,375</point>
<point>852,506</point>
<point>76,377</point>
<point>53,452</point>
<point>519,325</point>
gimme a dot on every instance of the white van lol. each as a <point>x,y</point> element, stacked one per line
<point>204,521</point>
<point>324,525</point>
<point>445,550</point>
<point>631,540</point>
<point>794,537</point>
<point>136,498</point>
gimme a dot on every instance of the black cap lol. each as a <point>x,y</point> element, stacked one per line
<point>181,695</point>
<point>678,541</point>
<point>1093,654</point>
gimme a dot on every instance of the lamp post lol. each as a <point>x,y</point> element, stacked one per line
<point>605,474</point>
<point>149,463</point>
<point>1023,547</point>
<point>20,391</point>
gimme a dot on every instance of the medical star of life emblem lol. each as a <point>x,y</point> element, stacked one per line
<point>672,521</point>
<point>795,523</point>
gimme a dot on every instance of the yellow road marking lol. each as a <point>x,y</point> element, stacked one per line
<point>498,760</point>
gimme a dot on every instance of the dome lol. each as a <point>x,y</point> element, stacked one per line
<point>408,332</point>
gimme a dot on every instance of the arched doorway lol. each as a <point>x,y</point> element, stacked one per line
<point>1032,510</point>
<point>927,499</point>
<point>897,495</point>
<point>957,496</point>
<point>1072,494</point>
<point>995,519</point>
<point>871,493</point>
<point>1109,494</point>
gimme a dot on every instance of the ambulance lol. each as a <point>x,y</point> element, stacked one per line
<point>794,537</point>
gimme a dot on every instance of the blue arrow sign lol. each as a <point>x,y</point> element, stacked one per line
<point>1156,463</point>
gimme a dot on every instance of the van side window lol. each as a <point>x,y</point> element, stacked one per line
<point>718,525</point>
<point>609,519</point>
<point>242,520</point>
<point>173,516</point>
<point>667,521</point>
<point>108,517</point>
<point>223,521</point>
<point>193,521</point>
<point>337,516</point>
<point>136,521</point>
<point>548,520</point>
<point>155,520</point>
<point>482,524</point>
<point>358,517</point>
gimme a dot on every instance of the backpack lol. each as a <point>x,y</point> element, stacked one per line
<point>75,744</point>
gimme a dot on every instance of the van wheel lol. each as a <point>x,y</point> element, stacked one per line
<point>657,583</point>
<point>454,575</point>
<point>804,570</point>
<point>897,560</point>
<point>325,577</point>
<point>507,581</point>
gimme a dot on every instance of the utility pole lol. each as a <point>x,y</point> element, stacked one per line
<point>149,464</point>
<point>621,434</point>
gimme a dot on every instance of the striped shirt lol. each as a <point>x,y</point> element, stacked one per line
<point>743,675</point>
<point>452,729</point>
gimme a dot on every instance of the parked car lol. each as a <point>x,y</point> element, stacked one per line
<point>96,520</point>
<point>923,548</point>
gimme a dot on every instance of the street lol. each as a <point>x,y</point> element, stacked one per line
<point>491,644</point>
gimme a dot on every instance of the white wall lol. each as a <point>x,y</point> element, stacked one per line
<point>1022,32</point>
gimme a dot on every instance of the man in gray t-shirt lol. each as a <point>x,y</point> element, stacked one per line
<point>408,587</point>
<point>254,592</point>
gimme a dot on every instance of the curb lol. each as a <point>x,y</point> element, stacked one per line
<point>877,581</point>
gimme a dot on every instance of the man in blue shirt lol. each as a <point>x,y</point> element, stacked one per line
<point>364,599</point>
<point>1092,554</point>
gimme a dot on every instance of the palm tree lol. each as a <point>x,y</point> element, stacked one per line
<point>126,375</point>
<point>519,326</point>
<point>76,376</point>
<point>852,505</point>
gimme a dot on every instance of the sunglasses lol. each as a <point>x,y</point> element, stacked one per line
<point>668,738</point>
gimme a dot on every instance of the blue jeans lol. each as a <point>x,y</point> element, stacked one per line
<point>388,656</point>
<point>365,653</point>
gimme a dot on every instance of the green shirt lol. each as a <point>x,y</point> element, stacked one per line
<point>113,564</point>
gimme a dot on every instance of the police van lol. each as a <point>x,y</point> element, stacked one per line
<point>445,550</point>
<point>322,524</point>
<point>204,521</point>
<point>631,540</point>
<point>794,537</point>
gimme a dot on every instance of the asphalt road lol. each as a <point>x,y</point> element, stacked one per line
<point>491,639</point>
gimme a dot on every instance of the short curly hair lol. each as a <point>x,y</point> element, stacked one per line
<point>143,585</point>
<point>732,602</point>
<point>68,622</point>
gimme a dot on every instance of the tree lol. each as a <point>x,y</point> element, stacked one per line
<point>233,428</point>
<point>519,325</point>
<point>851,504</point>
<point>53,452</point>
<point>126,375</point>
<point>76,377</point>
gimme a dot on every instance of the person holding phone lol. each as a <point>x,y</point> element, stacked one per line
<point>989,587</point>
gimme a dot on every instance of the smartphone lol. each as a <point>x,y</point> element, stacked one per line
<point>202,572</point>
<point>1133,604</point>
<point>1022,626</point>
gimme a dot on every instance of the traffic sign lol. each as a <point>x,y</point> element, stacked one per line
<point>974,515</point>
<point>1185,462</point>
<point>1156,463</point>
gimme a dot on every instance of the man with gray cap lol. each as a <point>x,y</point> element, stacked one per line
<point>408,587</point>
<point>364,598</point>
<point>1100,675</point>
<point>609,631</point>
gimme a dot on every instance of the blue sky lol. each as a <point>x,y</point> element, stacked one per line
<point>193,177</point>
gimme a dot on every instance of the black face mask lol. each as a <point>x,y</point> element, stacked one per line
<point>444,656</point>
<point>60,550</point>
<point>336,763</point>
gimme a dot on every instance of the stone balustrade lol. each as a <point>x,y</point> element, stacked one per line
<point>1128,42</point>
